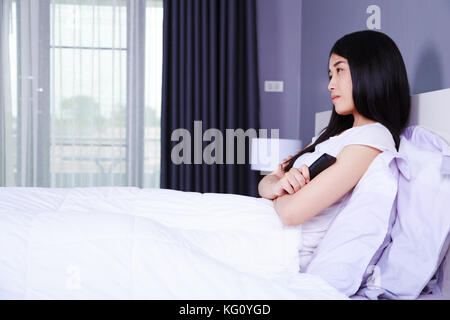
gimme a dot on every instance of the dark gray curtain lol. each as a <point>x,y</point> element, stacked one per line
<point>210,74</point>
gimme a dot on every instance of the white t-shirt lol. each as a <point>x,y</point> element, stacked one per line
<point>375,135</point>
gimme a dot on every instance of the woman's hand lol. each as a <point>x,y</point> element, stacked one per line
<point>279,182</point>
<point>291,181</point>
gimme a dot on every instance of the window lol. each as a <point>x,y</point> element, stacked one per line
<point>85,63</point>
<point>88,58</point>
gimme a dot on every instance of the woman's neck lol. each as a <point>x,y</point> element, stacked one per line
<point>361,120</point>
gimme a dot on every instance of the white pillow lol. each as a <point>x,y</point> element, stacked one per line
<point>423,222</point>
<point>360,229</point>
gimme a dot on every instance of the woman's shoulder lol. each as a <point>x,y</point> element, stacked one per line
<point>374,128</point>
<point>373,134</point>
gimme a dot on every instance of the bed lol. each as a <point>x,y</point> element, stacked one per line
<point>131,243</point>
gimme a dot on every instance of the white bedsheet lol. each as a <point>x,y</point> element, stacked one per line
<point>131,243</point>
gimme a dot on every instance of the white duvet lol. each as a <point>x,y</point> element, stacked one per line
<point>131,243</point>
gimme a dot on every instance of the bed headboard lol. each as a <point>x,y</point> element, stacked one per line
<point>430,110</point>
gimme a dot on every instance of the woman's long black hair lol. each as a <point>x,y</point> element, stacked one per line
<point>380,85</point>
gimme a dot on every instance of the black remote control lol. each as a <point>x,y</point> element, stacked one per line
<point>320,164</point>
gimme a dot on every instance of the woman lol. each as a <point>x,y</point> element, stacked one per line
<point>371,104</point>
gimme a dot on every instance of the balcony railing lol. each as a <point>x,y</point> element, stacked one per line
<point>100,161</point>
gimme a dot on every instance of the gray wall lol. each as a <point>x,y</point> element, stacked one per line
<point>279,42</point>
<point>419,28</point>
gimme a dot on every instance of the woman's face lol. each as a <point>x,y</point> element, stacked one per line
<point>340,85</point>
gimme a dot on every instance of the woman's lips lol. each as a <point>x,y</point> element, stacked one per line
<point>334,98</point>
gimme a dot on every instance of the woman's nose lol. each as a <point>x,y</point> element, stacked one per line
<point>331,85</point>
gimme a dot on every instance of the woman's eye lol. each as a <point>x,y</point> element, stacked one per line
<point>337,71</point>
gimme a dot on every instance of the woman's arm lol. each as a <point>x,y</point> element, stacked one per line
<point>328,187</point>
<point>267,186</point>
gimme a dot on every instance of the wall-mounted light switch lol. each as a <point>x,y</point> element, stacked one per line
<point>273,86</point>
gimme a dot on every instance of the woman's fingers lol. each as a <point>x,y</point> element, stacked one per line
<point>286,185</point>
<point>293,180</point>
<point>305,172</point>
<point>299,177</point>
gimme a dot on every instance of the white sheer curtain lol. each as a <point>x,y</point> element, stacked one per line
<point>88,113</point>
<point>8,78</point>
<point>4,82</point>
<point>153,89</point>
